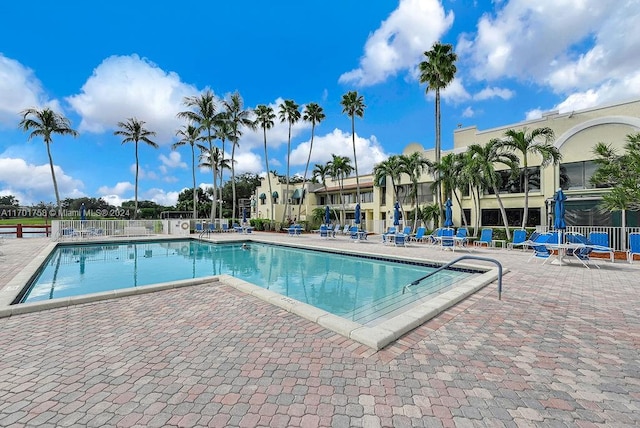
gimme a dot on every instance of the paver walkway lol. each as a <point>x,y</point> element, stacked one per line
<point>562,348</point>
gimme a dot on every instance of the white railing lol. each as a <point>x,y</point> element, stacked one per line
<point>618,236</point>
<point>65,230</point>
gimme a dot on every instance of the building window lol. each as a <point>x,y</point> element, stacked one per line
<point>383,196</point>
<point>425,193</point>
<point>366,197</point>
<point>492,217</point>
<point>577,175</point>
<point>509,184</point>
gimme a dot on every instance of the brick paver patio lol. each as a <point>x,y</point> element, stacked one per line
<point>562,348</point>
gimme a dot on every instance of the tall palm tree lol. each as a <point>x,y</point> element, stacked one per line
<point>265,119</point>
<point>393,168</point>
<point>203,114</point>
<point>413,165</point>
<point>288,112</point>
<point>315,114</point>
<point>44,123</point>
<point>189,134</point>
<point>222,133</point>
<point>438,71</point>
<point>353,105</point>
<point>488,156</point>
<point>449,177</point>
<point>537,142</point>
<point>238,117</point>
<point>469,178</point>
<point>133,131</point>
<point>340,169</point>
<point>215,160</point>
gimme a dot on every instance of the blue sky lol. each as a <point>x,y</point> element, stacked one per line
<point>100,63</point>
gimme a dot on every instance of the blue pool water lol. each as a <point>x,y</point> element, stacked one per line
<point>348,286</point>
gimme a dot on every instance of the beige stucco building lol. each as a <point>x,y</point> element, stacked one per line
<point>576,134</point>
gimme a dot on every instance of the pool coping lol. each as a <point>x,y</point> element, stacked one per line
<point>376,337</point>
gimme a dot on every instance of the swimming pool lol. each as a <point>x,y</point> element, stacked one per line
<point>356,288</point>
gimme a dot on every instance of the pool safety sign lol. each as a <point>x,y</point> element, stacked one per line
<point>180,227</point>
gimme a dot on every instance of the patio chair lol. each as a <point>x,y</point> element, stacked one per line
<point>400,240</point>
<point>419,236</point>
<point>634,246</point>
<point>225,227</point>
<point>434,236</point>
<point>385,236</point>
<point>407,230</point>
<point>486,238</point>
<point>447,240</point>
<point>581,253</point>
<point>540,250</point>
<point>600,241</point>
<point>346,229</point>
<point>295,230</point>
<point>354,233</point>
<point>324,231</point>
<point>519,238</point>
<point>199,229</point>
<point>461,237</point>
<point>212,228</point>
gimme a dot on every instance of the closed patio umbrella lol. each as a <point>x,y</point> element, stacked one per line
<point>559,222</point>
<point>448,214</point>
<point>83,213</point>
<point>244,215</point>
<point>357,214</point>
<point>327,215</point>
<point>396,214</point>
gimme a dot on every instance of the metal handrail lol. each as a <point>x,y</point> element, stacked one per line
<point>486,259</point>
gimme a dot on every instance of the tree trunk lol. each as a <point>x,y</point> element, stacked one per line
<point>355,159</point>
<point>55,182</point>
<point>503,212</point>
<point>526,192</point>
<point>286,199</point>
<point>438,155</point>
<point>233,179</point>
<point>193,174</point>
<point>306,169</point>
<point>135,209</point>
<point>266,160</point>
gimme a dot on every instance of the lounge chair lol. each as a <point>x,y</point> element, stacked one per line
<point>519,238</point>
<point>447,240</point>
<point>461,237</point>
<point>386,236</point>
<point>581,253</point>
<point>419,236</point>
<point>354,233</point>
<point>225,227</point>
<point>634,246</point>
<point>486,238</point>
<point>407,230</point>
<point>434,237</point>
<point>295,230</point>
<point>400,239</point>
<point>540,250</point>
<point>324,231</point>
<point>212,228</point>
<point>600,242</point>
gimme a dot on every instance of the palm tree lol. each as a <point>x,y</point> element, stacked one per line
<point>215,160</point>
<point>488,156</point>
<point>44,123</point>
<point>449,177</point>
<point>322,171</point>
<point>204,115</point>
<point>237,117</point>
<point>353,105</point>
<point>340,169</point>
<point>133,131</point>
<point>312,113</point>
<point>537,142</point>
<point>413,165</point>
<point>438,71</point>
<point>189,134</point>
<point>288,112</point>
<point>222,133</point>
<point>393,168</point>
<point>264,118</point>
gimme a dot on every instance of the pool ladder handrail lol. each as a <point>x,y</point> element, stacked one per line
<point>446,265</point>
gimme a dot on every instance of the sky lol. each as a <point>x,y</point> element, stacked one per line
<point>100,63</point>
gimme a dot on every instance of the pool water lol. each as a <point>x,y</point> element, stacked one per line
<point>356,288</point>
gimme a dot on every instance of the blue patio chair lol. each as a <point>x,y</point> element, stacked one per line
<point>385,236</point>
<point>519,238</point>
<point>354,233</point>
<point>295,230</point>
<point>461,236</point>
<point>540,250</point>
<point>581,253</point>
<point>634,246</point>
<point>600,242</point>
<point>407,230</point>
<point>324,231</point>
<point>434,236</point>
<point>400,240</point>
<point>486,238</point>
<point>419,236</point>
<point>212,227</point>
<point>199,229</point>
<point>447,239</point>
<point>225,227</point>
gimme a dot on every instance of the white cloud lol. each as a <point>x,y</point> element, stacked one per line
<point>174,160</point>
<point>587,55</point>
<point>128,86</point>
<point>249,162</point>
<point>400,41</point>
<point>20,89</point>
<point>534,114</point>
<point>119,189</point>
<point>368,151</point>
<point>468,112</point>
<point>161,197</point>
<point>33,182</point>
<point>494,92</point>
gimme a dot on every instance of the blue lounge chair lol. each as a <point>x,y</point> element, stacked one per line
<point>540,250</point>
<point>634,246</point>
<point>447,240</point>
<point>600,242</point>
<point>400,239</point>
<point>324,231</point>
<point>407,230</point>
<point>582,253</point>
<point>212,227</point>
<point>295,230</point>
<point>461,237</point>
<point>199,229</point>
<point>225,227</point>
<point>519,238</point>
<point>387,234</point>
<point>419,236</point>
<point>486,238</point>
<point>354,233</point>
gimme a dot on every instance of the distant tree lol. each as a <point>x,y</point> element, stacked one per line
<point>44,123</point>
<point>265,119</point>
<point>312,113</point>
<point>213,159</point>
<point>414,165</point>
<point>288,112</point>
<point>392,168</point>
<point>340,169</point>
<point>353,105</point>
<point>133,131</point>
<point>203,113</point>
<point>438,71</point>
<point>537,142</point>
<point>9,200</point>
<point>185,201</point>
<point>322,172</point>
<point>190,134</point>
